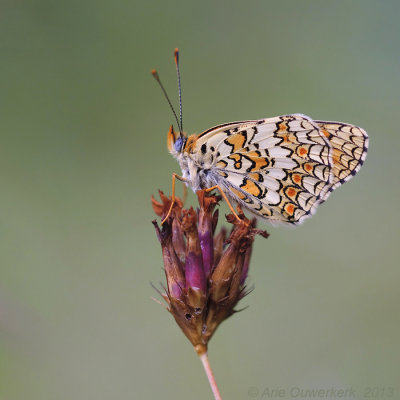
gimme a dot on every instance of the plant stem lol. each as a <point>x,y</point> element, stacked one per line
<point>210,375</point>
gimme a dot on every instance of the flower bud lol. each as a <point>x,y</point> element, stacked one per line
<point>206,271</point>
<point>194,269</point>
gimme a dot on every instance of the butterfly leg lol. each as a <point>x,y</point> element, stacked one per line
<point>185,192</point>
<point>226,199</point>
<point>174,178</point>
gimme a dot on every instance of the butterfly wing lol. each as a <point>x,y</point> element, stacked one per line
<point>284,172</point>
<point>281,168</point>
<point>350,146</point>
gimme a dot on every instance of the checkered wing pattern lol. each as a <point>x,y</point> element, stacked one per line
<point>350,146</point>
<point>281,168</point>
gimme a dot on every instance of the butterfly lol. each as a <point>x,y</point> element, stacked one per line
<point>280,169</point>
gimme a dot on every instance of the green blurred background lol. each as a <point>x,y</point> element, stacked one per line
<point>83,146</point>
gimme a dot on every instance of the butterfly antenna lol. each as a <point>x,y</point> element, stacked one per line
<point>157,78</point>
<point>176,53</point>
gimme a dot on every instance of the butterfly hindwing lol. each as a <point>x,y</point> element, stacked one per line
<point>350,146</point>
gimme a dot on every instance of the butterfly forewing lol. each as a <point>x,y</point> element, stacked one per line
<point>283,168</point>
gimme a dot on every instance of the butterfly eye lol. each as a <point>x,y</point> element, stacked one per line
<point>179,144</point>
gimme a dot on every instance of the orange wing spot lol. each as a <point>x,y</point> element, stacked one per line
<point>255,175</point>
<point>326,133</point>
<point>282,127</point>
<point>291,192</point>
<point>308,167</point>
<point>235,157</point>
<point>259,162</point>
<point>336,156</point>
<point>221,164</point>
<point>297,178</point>
<point>252,154</point>
<point>303,151</point>
<point>251,188</point>
<point>237,141</point>
<point>238,193</point>
<point>238,160</point>
<point>289,209</point>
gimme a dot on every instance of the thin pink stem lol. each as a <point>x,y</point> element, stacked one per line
<point>210,375</point>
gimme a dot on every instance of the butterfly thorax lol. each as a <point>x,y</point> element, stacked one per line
<point>195,166</point>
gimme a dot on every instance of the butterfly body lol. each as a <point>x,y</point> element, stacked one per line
<point>278,168</point>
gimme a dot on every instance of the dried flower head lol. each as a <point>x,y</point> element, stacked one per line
<point>206,271</point>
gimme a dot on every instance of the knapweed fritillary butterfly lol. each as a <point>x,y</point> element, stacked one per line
<point>280,169</point>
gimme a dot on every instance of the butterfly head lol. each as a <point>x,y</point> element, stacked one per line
<point>175,141</point>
